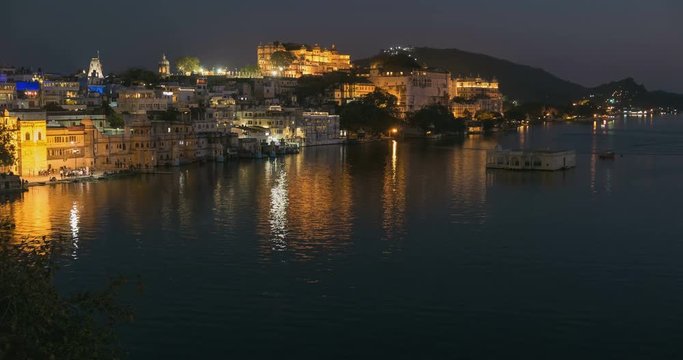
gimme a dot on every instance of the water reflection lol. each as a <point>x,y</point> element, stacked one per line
<point>73,222</point>
<point>468,179</point>
<point>310,215</point>
<point>394,195</point>
<point>278,208</point>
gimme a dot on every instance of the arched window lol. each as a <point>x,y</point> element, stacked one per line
<point>28,136</point>
<point>40,136</point>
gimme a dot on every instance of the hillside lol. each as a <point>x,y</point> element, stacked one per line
<point>528,84</point>
<point>519,82</point>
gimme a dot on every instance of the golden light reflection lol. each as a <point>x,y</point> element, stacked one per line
<point>311,215</point>
<point>469,179</point>
<point>394,196</point>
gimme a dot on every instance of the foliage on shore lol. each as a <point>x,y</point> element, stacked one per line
<point>7,149</point>
<point>376,112</point>
<point>38,322</point>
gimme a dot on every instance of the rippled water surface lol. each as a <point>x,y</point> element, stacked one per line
<point>407,249</point>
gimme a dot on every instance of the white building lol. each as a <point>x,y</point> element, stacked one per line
<point>95,68</point>
<point>414,89</point>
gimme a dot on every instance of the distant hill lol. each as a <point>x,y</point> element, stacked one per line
<point>528,84</point>
<point>628,91</point>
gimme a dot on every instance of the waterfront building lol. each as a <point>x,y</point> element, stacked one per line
<point>277,122</point>
<point>307,60</point>
<point>473,87</point>
<point>413,88</point>
<point>469,108</point>
<point>318,128</point>
<point>348,92</point>
<point>29,138</point>
<point>164,67</point>
<point>68,146</point>
<point>471,95</point>
<point>111,149</point>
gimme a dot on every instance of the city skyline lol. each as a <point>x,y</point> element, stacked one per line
<point>615,39</point>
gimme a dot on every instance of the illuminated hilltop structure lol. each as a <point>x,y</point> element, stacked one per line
<point>303,60</point>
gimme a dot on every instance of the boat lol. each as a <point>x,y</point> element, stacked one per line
<point>10,183</point>
<point>607,155</point>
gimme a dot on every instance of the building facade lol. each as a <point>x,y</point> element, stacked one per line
<point>348,92</point>
<point>307,60</point>
<point>472,95</point>
<point>414,89</point>
<point>141,100</point>
<point>318,128</point>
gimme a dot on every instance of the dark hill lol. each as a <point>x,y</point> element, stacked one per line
<point>518,82</point>
<point>533,85</point>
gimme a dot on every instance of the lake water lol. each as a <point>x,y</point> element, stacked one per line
<point>407,249</point>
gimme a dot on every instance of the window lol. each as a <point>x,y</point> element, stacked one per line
<point>40,136</point>
<point>28,136</point>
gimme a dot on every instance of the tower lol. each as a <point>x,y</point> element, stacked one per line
<point>95,73</point>
<point>164,66</point>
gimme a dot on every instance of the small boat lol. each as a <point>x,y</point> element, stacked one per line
<point>607,155</point>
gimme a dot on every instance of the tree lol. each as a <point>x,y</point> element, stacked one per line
<point>139,76</point>
<point>37,322</point>
<point>437,118</point>
<point>113,118</point>
<point>7,148</point>
<point>188,65</point>
<point>282,59</point>
<point>376,112</point>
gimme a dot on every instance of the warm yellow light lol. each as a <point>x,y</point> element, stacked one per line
<point>394,130</point>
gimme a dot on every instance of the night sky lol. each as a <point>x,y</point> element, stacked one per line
<point>585,41</point>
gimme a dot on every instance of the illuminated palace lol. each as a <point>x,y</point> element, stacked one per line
<point>413,88</point>
<point>307,60</point>
<point>471,95</point>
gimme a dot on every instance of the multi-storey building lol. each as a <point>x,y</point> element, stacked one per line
<point>471,95</point>
<point>29,134</point>
<point>8,94</point>
<point>347,92</point>
<point>69,118</point>
<point>59,92</point>
<point>141,100</point>
<point>470,88</point>
<point>307,60</point>
<point>69,146</point>
<point>318,128</point>
<point>277,122</point>
<point>413,89</point>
